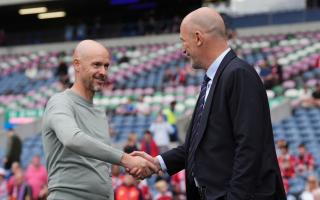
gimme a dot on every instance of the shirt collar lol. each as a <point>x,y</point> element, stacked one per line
<point>214,66</point>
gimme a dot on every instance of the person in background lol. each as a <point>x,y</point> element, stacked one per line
<point>142,107</point>
<point>14,148</point>
<point>312,191</point>
<point>128,108</point>
<point>21,190</point>
<point>128,190</point>
<point>144,187</point>
<point>161,131</point>
<point>3,185</point>
<point>117,177</point>
<point>62,74</point>
<point>305,160</point>
<point>36,176</point>
<point>276,71</point>
<point>287,162</point>
<point>148,144</point>
<point>171,119</point>
<point>15,168</point>
<point>163,191</point>
<point>178,182</point>
<point>131,144</point>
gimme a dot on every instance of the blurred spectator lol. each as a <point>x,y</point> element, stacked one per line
<point>21,190</point>
<point>127,108</point>
<point>143,107</point>
<point>3,185</point>
<point>146,193</point>
<point>161,131</point>
<point>171,119</point>
<point>168,77</point>
<point>312,191</point>
<point>15,168</point>
<point>36,176</point>
<point>287,162</point>
<point>305,160</point>
<point>182,76</point>
<point>43,73</point>
<point>314,100</point>
<point>317,63</point>
<point>276,71</point>
<point>14,147</point>
<point>268,78</point>
<point>117,178</point>
<point>148,145</point>
<point>38,72</point>
<point>131,144</point>
<point>128,190</point>
<point>280,143</point>
<point>304,96</point>
<point>62,73</point>
<point>31,72</point>
<point>163,192</point>
<point>178,182</point>
<point>234,40</point>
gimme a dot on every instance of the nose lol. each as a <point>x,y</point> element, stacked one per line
<point>103,71</point>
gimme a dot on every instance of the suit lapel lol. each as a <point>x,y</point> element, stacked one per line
<point>230,55</point>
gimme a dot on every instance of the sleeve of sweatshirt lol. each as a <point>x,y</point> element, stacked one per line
<point>60,119</point>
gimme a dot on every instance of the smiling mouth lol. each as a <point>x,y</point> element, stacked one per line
<point>100,81</point>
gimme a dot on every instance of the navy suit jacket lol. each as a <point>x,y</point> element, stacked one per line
<point>235,158</point>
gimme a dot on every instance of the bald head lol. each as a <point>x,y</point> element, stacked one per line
<point>91,61</point>
<point>88,47</point>
<point>205,20</point>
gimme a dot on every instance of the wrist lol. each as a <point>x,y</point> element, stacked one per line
<point>125,160</point>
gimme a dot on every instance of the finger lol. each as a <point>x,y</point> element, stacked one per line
<point>143,155</point>
<point>139,172</point>
<point>136,153</point>
<point>153,167</point>
<point>146,172</point>
<point>134,171</point>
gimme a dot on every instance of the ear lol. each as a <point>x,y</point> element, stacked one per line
<point>76,65</point>
<point>198,38</point>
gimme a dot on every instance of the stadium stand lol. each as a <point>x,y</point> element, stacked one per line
<point>288,63</point>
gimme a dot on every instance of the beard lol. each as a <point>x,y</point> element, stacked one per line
<point>95,87</point>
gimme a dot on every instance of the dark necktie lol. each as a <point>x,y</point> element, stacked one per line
<point>195,126</point>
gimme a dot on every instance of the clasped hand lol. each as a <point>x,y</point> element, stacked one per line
<point>141,165</point>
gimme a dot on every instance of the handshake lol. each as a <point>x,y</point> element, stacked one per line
<point>141,165</point>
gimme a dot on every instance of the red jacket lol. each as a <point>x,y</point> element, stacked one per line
<point>154,151</point>
<point>128,193</point>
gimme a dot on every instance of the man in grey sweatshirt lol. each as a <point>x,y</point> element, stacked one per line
<point>75,134</point>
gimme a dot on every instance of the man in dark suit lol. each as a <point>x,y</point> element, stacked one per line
<point>229,151</point>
